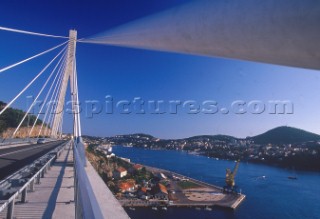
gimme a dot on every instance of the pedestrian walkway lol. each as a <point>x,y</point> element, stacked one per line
<point>54,196</point>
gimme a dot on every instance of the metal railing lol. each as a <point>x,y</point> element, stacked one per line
<point>10,202</point>
<point>86,203</point>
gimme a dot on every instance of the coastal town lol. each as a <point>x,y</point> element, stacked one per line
<point>136,185</point>
<point>289,154</point>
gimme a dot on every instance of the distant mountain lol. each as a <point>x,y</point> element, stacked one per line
<point>304,153</point>
<point>141,135</point>
<point>279,135</point>
<point>213,137</point>
<point>285,135</point>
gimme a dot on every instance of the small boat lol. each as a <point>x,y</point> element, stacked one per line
<point>208,208</point>
<point>198,208</point>
<point>164,208</point>
<point>292,177</point>
<point>154,208</point>
<point>132,208</point>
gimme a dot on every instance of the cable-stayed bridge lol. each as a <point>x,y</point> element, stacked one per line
<point>202,27</point>
<point>79,201</point>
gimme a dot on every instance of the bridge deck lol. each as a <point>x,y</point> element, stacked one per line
<point>54,196</point>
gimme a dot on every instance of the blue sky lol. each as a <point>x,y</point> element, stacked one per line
<point>127,73</point>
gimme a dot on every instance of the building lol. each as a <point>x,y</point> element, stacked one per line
<point>160,192</point>
<point>111,155</point>
<point>144,193</point>
<point>127,186</point>
<point>135,168</point>
<point>120,172</point>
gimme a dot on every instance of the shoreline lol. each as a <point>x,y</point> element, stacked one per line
<point>202,195</point>
<point>259,162</point>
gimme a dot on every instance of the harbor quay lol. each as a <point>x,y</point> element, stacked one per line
<point>183,191</point>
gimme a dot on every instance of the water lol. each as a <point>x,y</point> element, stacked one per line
<point>272,196</point>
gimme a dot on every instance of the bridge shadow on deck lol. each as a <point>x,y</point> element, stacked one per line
<point>54,195</point>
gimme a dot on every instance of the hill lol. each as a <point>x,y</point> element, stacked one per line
<point>11,118</point>
<point>285,135</point>
<point>226,138</point>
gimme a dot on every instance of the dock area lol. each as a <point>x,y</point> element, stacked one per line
<point>184,191</point>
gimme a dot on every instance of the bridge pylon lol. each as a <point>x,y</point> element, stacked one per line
<point>69,75</point>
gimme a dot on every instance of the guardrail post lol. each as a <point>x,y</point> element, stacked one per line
<point>10,210</point>
<point>32,185</point>
<point>75,184</point>
<point>49,165</point>
<point>38,178</point>
<point>42,173</point>
<point>24,196</point>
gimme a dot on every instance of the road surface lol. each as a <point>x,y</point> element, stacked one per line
<point>13,159</point>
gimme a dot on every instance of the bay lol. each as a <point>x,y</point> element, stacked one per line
<point>269,192</point>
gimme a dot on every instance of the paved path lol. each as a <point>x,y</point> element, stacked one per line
<point>54,196</point>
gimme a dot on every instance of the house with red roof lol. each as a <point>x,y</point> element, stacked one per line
<point>135,168</point>
<point>126,186</point>
<point>160,192</point>
<point>120,172</point>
